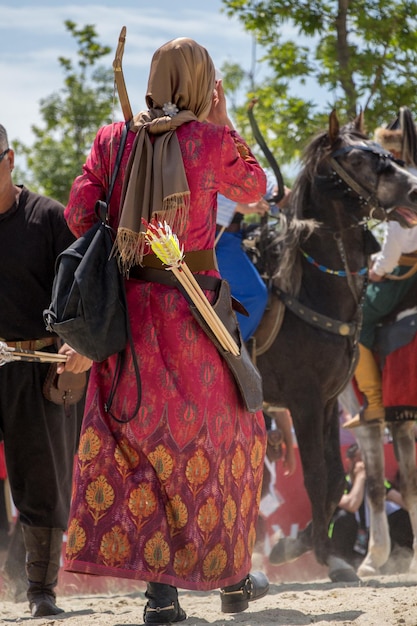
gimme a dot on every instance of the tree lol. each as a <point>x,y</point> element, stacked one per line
<point>357,53</point>
<point>71,117</point>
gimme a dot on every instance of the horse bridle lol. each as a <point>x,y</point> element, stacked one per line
<point>366,196</point>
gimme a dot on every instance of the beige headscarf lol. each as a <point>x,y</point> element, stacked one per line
<point>180,89</point>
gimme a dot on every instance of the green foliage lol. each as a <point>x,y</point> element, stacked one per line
<point>357,54</point>
<point>71,118</point>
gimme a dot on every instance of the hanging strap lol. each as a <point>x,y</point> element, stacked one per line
<point>117,163</point>
<point>121,357</point>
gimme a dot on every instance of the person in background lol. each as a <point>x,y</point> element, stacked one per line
<point>171,496</point>
<point>349,528</point>
<point>398,253</point>
<point>246,284</point>
<point>39,436</point>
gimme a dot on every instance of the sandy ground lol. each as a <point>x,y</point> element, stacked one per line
<point>293,600</point>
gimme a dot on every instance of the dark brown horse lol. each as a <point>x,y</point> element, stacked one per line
<point>317,260</point>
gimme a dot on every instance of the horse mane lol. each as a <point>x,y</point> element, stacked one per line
<point>293,228</point>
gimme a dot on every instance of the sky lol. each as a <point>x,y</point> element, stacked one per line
<point>33,36</point>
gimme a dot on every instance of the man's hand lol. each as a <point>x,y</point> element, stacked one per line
<point>261,207</point>
<point>359,469</point>
<point>75,363</point>
<point>374,277</point>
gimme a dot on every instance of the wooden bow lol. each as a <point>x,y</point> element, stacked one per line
<point>268,154</point>
<point>119,78</point>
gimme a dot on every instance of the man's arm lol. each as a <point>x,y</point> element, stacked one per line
<point>351,501</point>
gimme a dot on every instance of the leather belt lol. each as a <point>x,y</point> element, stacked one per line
<point>409,259</point>
<point>197,261</point>
<point>31,344</point>
<point>165,277</point>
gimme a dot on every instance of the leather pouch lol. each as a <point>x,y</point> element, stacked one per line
<point>65,388</point>
<point>245,373</point>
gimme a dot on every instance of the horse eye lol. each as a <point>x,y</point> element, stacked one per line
<point>386,166</point>
<point>356,158</point>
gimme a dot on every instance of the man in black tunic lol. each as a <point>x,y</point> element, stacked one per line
<point>40,437</point>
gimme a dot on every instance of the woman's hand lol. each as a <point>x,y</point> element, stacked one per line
<point>218,112</point>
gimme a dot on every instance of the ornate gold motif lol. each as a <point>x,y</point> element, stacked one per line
<point>246,501</point>
<point>162,462</point>
<point>238,463</point>
<point>157,553</point>
<point>208,517</point>
<point>251,538</point>
<point>126,458</point>
<point>100,497</point>
<point>142,503</point>
<point>257,454</point>
<point>76,539</point>
<point>214,563</point>
<point>89,448</point>
<point>259,494</point>
<point>239,552</point>
<point>177,514</point>
<point>114,547</point>
<point>197,471</point>
<point>229,515</point>
<point>185,560</point>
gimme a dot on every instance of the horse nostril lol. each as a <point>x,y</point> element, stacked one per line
<point>413,195</point>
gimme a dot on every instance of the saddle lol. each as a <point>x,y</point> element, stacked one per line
<point>269,326</point>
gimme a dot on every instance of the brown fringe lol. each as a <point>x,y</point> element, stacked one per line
<point>175,212</point>
<point>130,248</point>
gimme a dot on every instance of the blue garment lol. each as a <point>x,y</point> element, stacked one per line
<point>246,285</point>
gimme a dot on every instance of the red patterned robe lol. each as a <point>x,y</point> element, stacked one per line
<point>171,496</point>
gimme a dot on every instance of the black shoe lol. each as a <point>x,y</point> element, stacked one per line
<point>162,606</point>
<point>236,598</point>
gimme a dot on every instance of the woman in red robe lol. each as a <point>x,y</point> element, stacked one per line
<point>171,496</point>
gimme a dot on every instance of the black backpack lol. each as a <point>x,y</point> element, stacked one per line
<point>88,307</point>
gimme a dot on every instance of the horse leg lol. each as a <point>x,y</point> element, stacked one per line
<point>405,453</point>
<point>371,445</point>
<point>289,549</point>
<point>323,479</point>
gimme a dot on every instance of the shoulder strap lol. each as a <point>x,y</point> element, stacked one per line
<point>118,160</point>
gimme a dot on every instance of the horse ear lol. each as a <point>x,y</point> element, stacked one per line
<point>359,122</point>
<point>333,127</point>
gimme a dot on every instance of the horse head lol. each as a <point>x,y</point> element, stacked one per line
<point>346,179</point>
<point>377,185</point>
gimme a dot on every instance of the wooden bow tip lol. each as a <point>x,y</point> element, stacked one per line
<point>119,78</point>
